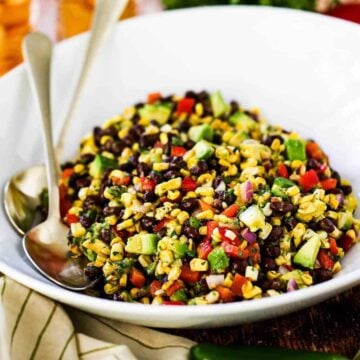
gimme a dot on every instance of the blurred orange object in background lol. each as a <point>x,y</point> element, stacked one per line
<point>14,25</point>
<point>75,16</point>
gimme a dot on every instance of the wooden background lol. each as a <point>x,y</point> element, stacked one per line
<point>331,326</point>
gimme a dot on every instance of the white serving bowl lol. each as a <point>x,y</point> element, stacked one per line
<point>301,69</point>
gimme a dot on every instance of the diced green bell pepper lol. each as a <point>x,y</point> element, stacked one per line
<point>219,261</point>
<point>295,149</point>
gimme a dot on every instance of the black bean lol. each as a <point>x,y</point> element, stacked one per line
<point>87,158</point>
<point>290,223</point>
<point>85,221</point>
<point>189,144</point>
<point>321,275</point>
<point>92,272</point>
<point>171,174</point>
<point>238,265</point>
<point>218,204</point>
<point>110,131</point>
<point>334,191</point>
<point>234,107</point>
<point>269,264</point>
<point>82,182</point>
<point>281,207</point>
<point>105,176</point>
<point>97,133</point>
<point>105,235</point>
<point>117,147</point>
<point>148,140</point>
<point>347,189</point>
<point>128,167</point>
<point>226,196</point>
<point>191,94</point>
<point>128,140</point>
<point>313,164</point>
<point>327,225</point>
<point>67,165</point>
<point>157,177</point>
<point>276,284</point>
<point>272,251</point>
<point>143,169</point>
<point>139,105</point>
<point>107,146</point>
<point>201,288</point>
<point>200,168</point>
<point>189,205</point>
<point>177,163</point>
<point>138,129</point>
<point>91,201</point>
<point>112,210</point>
<point>150,196</point>
<point>275,234</point>
<point>184,126</point>
<point>147,223</point>
<point>190,232</point>
<point>217,138</point>
<point>336,175</point>
<point>217,181</point>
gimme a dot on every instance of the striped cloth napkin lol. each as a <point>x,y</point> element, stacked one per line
<point>36,328</point>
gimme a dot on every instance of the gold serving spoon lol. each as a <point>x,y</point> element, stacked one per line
<point>21,192</point>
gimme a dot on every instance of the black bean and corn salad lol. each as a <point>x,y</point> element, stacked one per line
<point>191,200</point>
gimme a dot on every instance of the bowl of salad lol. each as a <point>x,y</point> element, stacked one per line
<point>211,177</point>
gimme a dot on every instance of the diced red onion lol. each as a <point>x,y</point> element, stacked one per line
<point>291,285</point>
<point>214,280</point>
<point>340,199</point>
<point>249,236</point>
<point>221,187</point>
<point>283,270</point>
<point>246,191</point>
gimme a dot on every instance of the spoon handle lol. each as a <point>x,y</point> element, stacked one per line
<point>37,49</point>
<point>106,15</point>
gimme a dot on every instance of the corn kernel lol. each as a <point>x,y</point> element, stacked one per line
<point>125,224</point>
<point>207,214</point>
<point>117,252</point>
<point>111,220</point>
<point>164,138</point>
<point>182,217</point>
<point>75,210</point>
<point>77,230</point>
<point>166,257</point>
<point>145,300</point>
<point>292,190</point>
<point>160,166</point>
<point>158,300</point>
<point>173,184</point>
<point>228,281</point>
<point>175,212</point>
<point>174,273</point>
<point>134,293</point>
<point>123,280</point>
<point>212,297</point>
<point>173,194</point>
<point>199,109</point>
<point>337,267</point>
<point>203,230</point>
<point>110,289</point>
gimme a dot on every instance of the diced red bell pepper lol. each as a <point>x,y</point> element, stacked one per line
<point>189,276</point>
<point>231,211</point>
<point>188,184</point>
<point>325,260</point>
<point>173,303</point>
<point>204,249</point>
<point>121,181</point>
<point>314,151</point>
<point>137,278</point>
<point>230,250</point>
<point>67,173</point>
<point>283,171</point>
<point>65,201</point>
<point>177,151</point>
<point>328,184</point>
<point>226,295</point>
<point>346,242</point>
<point>71,219</point>
<point>226,236</point>
<point>205,206</point>
<point>210,227</point>
<point>147,184</point>
<point>309,180</point>
<point>333,247</point>
<point>153,97</point>
<point>254,252</point>
<point>154,287</point>
<point>185,105</point>
<point>238,283</point>
<point>161,224</point>
<point>177,285</point>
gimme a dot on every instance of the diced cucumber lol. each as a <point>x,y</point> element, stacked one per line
<point>253,218</point>
<point>201,132</point>
<point>279,186</point>
<point>295,149</point>
<point>203,150</point>
<point>218,260</point>
<point>218,104</point>
<point>100,164</point>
